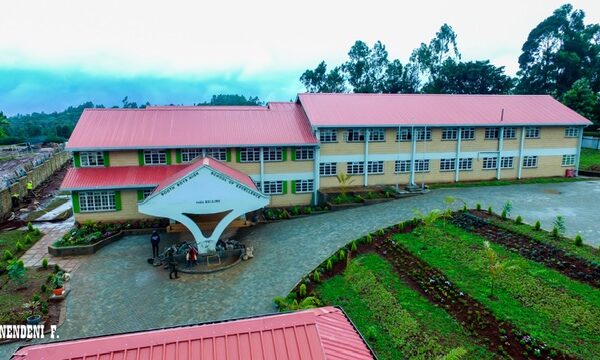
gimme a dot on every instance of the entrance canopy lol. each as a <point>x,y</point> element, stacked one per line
<point>206,186</point>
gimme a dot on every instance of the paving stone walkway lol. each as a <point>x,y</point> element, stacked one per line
<point>115,290</point>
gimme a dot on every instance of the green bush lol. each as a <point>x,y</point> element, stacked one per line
<point>29,226</point>
<point>519,220</point>
<point>537,226</point>
<point>28,240</point>
<point>18,246</point>
<point>316,276</point>
<point>381,232</point>
<point>478,207</point>
<point>342,254</point>
<point>308,210</point>
<point>302,290</point>
<point>490,210</point>
<point>36,232</point>
<point>369,239</point>
<point>555,232</point>
<point>36,297</point>
<point>44,288</point>
<point>45,263</point>
<point>7,255</point>
<point>56,268</point>
<point>329,265</point>
<point>578,240</point>
<point>16,271</point>
<point>44,307</point>
<point>353,246</point>
<point>504,215</point>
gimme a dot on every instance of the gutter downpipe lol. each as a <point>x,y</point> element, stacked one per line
<point>262,169</point>
<point>457,161</point>
<point>578,153</point>
<point>521,148</point>
<point>412,156</point>
<point>367,132</point>
<point>317,161</point>
<point>500,148</point>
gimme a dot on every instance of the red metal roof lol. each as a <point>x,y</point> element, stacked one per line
<point>426,109</point>
<point>197,126</point>
<point>315,334</point>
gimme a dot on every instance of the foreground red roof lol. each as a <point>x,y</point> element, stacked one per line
<point>435,110</point>
<point>316,334</point>
<point>196,126</point>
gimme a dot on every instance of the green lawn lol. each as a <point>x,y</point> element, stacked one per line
<point>8,242</point>
<point>56,202</point>
<point>550,180</point>
<point>590,158</point>
<point>552,308</point>
<point>396,320</point>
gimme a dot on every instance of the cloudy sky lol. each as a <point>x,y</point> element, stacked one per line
<point>59,53</point>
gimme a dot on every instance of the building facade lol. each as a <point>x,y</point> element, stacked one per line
<point>291,150</point>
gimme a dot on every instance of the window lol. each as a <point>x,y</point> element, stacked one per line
<point>356,135</point>
<point>377,134</point>
<point>423,135</point>
<point>467,133</point>
<point>249,154</point>
<point>304,186</point>
<point>402,166</point>
<point>216,153</point>
<point>305,153</point>
<point>491,133</point>
<point>188,155</point>
<point>568,160</point>
<point>465,164</point>
<point>271,187</point>
<point>532,132</point>
<point>403,134</point>
<point>328,135</point>
<point>97,201</point>
<point>91,158</point>
<point>449,134</point>
<point>155,157</point>
<point>530,161</point>
<point>355,168</point>
<point>328,169</point>
<point>506,162</point>
<point>145,194</point>
<point>510,133</point>
<point>447,164</point>
<point>273,154</point>
<point>422,165</point>
<point>490,162</point>
<point>375,167</point>
<point>571,132</point>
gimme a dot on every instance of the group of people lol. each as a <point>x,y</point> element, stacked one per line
<point>191,256</point>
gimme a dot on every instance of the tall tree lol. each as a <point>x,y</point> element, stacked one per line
<point>319,81</point>
<point>366,68</point>
<point>3,125</point>
<point>473,77</point>
<point>581,98</point>
<point>232,99</point>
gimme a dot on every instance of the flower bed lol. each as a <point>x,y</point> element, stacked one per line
<point>273,214</point>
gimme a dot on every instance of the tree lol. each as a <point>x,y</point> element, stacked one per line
<point>232,100</point>
<point>127,104</point>
<point>473,77</point>
<point>367,68</point>
<point>581,98</point>
<point>319,81</point>
<point>3,125</point>
<point>495,266</point>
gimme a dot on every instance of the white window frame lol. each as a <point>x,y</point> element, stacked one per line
<point>489,163</point>
<point>532,132</point>
<point>402,166</point>
<point>375,167</point>
<point>155,157</point>
<point>328,169</point>
<point>305,153</point>
<point>97,201</point>
<point>274,187</point>
<point>377,135</point>
<point>304,186</point>
<point>507,162</point>
<point>187,155</point>
<point>328,135</point>
<point>249,154</point>
<point>571,132</point>
<point>355,168</point>
<point>273,154</point>
<point>91,158</point>
<point>509,133</point>
<point>447,164</point>
<point>491,133</point>
<point>467,133</point>
<point>449,134</point>
<point>568,160</point>
<point>403,134</point>
<point>355,135</point>
<point>146,193</point>
<point>422,165</point>
<point>422,134</point>
<point>465,164</point>
<point>216,153</point>
<point>530,161</point>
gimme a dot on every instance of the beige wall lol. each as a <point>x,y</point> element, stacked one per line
<point>551,137</point>
<point>123,158</point>
<point>129,210</point>
<point>290,199</point>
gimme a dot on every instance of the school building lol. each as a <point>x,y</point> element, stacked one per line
<point>220,162</point>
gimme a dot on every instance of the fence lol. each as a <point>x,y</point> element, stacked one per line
<point>591,142</point>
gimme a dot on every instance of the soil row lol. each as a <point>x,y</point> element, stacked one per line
<point>551,256</point>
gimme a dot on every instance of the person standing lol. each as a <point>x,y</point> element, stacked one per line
<point>172,263</point>
<point>155,240</point>
<point>30,189</point>
<point>191,256</point>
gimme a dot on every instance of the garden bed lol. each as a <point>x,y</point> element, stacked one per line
<point>285,213</point>
<point>14,243</point>
<point>551,256</point>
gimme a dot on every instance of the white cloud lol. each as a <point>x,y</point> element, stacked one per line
<point>249,38</point>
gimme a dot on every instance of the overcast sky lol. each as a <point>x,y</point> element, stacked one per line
<point>59,53</point>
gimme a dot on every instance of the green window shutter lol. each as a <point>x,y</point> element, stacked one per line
<point>168,156</point>
<point>76,159</point>
<point>293,154</point>
<point>118,205</point>
<point>228,155</point>
<point>141,157</point>
<point>140,194</point>
<point>285,189</point>
<point>75,199</point>
<point>238,157</point>
<point>293,186</point>
<point>106,159</point>
<point>284,154</point>
<point>178,156</point>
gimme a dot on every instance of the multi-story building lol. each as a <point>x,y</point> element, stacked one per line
<point>285,152</point>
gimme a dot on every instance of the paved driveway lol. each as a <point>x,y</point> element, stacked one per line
<point>115,290</point>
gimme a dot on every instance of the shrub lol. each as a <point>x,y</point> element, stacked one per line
<point>559,225</point>
<point>538,225</point>
<point>400,226</point>
<point>381,232</point>
<point>29,226</point>
<point>45,263</point>
<point>56,268</point>
<point>36,297</point>
<point>353,246</point>
<point>329,265</point>
<point>317,276</point>
<point>578,240</point>
<point>28,240</point>
<point>19,246</point>
<point>465,208</point>
<point>371,333</point>
<point>44,307</point>
<point>369,238</point>
<point>44,288</point>
<point>36,232</point>
<point>478,207</point>
<point>342,254</point>
<point>519,220</point>
<point>507,208</point>
<point>555,232</point>
<point>7,255</point>
<point>490,210</point>
<point>504,214</point>
<point>16,271</point>
<point>302,290</point>
<point>308,210</point>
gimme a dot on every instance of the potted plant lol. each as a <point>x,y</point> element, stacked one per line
<point>32,306</point>
<point>57,284</point>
